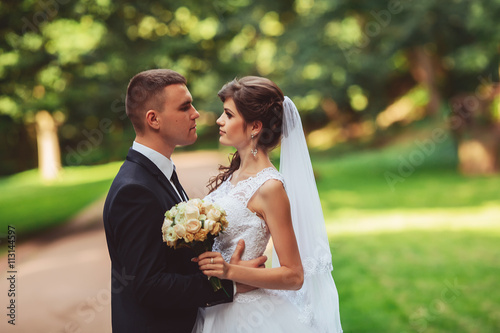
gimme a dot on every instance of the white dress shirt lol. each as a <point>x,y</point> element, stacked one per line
<point>163,163</point>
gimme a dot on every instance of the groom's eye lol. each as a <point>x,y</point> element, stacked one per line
<point>186,107</point>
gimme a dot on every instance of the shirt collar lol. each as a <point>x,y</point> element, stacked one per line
<point>161,161</point>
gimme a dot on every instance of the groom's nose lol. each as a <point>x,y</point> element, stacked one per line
<point>195,114</point>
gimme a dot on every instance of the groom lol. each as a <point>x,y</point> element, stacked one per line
<point>155,288</point>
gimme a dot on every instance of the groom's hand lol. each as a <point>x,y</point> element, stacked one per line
<point>254,263</point>
<point>243,288</point>
<point>238,252</point>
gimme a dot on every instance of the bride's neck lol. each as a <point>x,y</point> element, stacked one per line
<point>250,165</point>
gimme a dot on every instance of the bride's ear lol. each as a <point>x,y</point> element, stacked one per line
<point>256,127</point>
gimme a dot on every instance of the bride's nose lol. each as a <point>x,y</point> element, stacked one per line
<point>219,121</point>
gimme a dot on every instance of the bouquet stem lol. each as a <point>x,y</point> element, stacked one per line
<point>217,284</point>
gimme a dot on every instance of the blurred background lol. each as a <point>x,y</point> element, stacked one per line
<point>400,102</point>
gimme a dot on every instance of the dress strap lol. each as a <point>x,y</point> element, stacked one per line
<point>245,189</point>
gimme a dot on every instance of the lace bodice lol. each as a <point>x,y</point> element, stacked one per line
<point>243,223</point>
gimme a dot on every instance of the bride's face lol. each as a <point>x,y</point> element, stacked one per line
<point>232,128</point>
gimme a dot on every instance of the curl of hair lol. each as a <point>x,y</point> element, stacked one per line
<point>256,99</point>
<point>225,172</point>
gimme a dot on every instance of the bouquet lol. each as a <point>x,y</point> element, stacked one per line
<point>195,224</point>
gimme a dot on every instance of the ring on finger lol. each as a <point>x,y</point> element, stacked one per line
<point>211,260</point>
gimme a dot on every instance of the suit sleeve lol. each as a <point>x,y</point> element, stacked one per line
<point>136,216</point>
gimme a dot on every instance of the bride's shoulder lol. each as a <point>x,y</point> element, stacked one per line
<point>270,196</point>
<point>272,173</point>
<point>273,187</point>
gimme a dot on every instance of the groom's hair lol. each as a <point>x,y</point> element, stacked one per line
<point>146,92</point>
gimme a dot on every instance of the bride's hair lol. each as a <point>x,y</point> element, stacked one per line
<point>256,99</point>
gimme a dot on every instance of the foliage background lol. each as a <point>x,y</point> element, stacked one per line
<point>399,100</point>
<point>355,69</point>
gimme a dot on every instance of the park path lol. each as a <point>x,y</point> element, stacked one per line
<point>63,276</point>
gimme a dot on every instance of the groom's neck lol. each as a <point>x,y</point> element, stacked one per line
<point>155,143</point>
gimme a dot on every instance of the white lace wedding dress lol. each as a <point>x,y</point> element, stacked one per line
<point>261,310</point>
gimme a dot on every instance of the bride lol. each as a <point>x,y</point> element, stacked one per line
<point>298,294</point>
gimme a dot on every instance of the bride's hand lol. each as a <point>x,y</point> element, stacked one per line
<point>212,264</point>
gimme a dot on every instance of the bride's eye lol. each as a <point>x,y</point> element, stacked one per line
<point>229,116</point>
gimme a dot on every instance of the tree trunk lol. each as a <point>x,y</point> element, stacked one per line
<point>49,154</point>
<point>479,154</point>
<point>423,71</point>
<point>477,134</point>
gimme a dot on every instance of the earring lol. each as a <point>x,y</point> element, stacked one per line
<point>253,151</point>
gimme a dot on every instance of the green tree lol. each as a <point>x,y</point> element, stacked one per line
<point>366,55</point>
<point>345,63</point>
<point>43,44</point>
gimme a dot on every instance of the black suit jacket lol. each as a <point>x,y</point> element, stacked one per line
<point>154,288</point>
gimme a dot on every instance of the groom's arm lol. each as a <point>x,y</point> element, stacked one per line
<point>259,262</point>
<point>137,216</point>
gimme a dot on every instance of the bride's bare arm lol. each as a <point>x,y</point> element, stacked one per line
<point>271,203</point>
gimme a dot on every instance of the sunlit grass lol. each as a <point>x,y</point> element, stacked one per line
<point>418,281</point>
<point>357,182</point>
<point>350,221</point>
<point>31,205</point>
<point>422,257</point>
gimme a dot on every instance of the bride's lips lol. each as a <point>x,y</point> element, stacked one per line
<point>221,132</point>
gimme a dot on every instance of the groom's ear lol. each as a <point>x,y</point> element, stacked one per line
<point>152,119</point>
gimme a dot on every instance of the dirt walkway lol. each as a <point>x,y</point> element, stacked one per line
<point>63,277</point>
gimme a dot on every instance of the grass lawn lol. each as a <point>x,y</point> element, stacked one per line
<point>418,281</point>
<point>32,205</point>
<point>421,256</point>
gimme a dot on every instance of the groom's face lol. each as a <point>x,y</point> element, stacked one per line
<point>178,117</point>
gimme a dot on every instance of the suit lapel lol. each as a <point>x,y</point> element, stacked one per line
<point>136,157</point>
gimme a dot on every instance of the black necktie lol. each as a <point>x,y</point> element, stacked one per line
<point>178,186</point>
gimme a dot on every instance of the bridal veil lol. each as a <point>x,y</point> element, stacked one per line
<point>318,297</point>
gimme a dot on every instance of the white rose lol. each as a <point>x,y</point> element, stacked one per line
<point>207,206</point>
<point>181,208</point>
<point>173,212</point>
<point>180,230</point>
<point>214,214</point>
<point>164,231</point>
<point>209,225</point>
<point>170,236</point>
<point>180,218</point>
<point>192,212</point>
<point>167,222</point>
<point>197,202</point>
<point>193,226</point>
